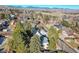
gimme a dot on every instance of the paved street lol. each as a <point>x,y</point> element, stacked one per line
<point>66,47</point>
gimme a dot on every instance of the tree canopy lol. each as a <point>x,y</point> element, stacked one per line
<point>35,45</point>
<point>53,36</point>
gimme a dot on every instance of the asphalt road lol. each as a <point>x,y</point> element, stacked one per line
<point>66,47</point>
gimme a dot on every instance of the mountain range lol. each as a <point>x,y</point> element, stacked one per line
<point>48,8</point>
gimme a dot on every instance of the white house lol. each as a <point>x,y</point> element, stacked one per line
<point>45,39</point>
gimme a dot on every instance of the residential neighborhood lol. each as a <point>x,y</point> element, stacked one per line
<point>38,30</point>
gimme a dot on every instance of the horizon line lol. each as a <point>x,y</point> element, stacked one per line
<point>48,6</point>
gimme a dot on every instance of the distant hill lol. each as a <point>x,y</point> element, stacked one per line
<point>64,10</point>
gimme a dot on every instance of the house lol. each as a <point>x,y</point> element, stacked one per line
<point>4,25</point>
<point>43,36</point>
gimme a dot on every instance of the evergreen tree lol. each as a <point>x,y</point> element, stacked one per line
<point>27,34</point>
<point>35,44</point>
<point>2,16</point>
<point>16,44</point>
<point>18,38</point>
<point>53,36</point>
<point>65,23</point>
<point>28,25</point>
<point>46,18</point>
<point>8,45</point>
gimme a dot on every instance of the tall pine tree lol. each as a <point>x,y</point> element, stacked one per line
<point>35,45</point>
<point>53,36</point>
<point>17,44</point>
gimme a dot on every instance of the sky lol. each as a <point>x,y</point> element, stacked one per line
<point>51,6</point>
